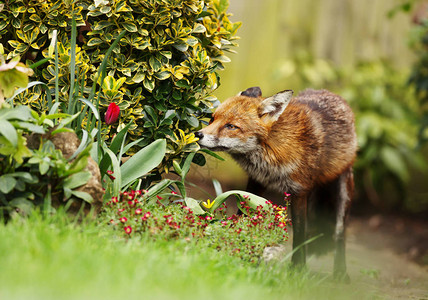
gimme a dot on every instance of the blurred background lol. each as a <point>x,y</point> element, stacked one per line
<point>370,52</point>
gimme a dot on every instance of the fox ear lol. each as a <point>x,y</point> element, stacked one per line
<point>253,92</point>
<point>271,108</point>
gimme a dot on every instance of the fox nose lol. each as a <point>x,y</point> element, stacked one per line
<point>199,134</point>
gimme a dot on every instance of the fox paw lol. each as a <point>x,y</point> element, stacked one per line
<point>342,277</point>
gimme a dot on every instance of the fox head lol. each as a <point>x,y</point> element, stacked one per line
<point>242,122</point>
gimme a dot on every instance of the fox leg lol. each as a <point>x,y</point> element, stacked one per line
<point>255,187</point>
<point>298,218</point>
<point>344,197</point>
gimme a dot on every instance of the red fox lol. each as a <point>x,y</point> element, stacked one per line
<point>304,146</point>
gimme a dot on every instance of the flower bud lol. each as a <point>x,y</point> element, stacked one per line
<point>112,113</point>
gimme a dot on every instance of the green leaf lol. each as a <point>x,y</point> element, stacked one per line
<point>194,206</point>
<point>199,159</point>
<point>222,58</point>
<point>83,145</point>
<point>130,145</point>
<point>19,152</point>
<point>34,33</point>
<point>7,183</point>
<point>252,200</point>
<point>149,84</point>
<point>83,195</point>
<point>77,179</point>
<point>47,200</point>
<point>116,170</point>
<point>199,28</point>
<point>162,75</point>
<point>67,192</point>
<point>105,9</point>
<point>57,116</point>
<point>131,27</point>
<point>22,204</point>
<point>63,129</point>
<point>91,106</point>
<point>181,188</point>
<point>152,113</point>
<point>22,113</point>
<point>167,54</point>
<point>181,47</point>
<point>22,48</point>
<point>155,64</point>
<point>16,22</point>
<point>177,167</point>
<point>102,24</point>
<point>31,84</point>
<point>191,41</point>
<point>14,43</point>
<point>94,41</point>
<point>217,187</point>
<point>44,167</point>
<point>27,177</point>
<point>102,69</point>
<point>138,77</point>
<point>29,127</point>
<point>64,122</point>
<point>122,7</point>
<point>182,83</point>
<point>143,161</point>
<point>394,162</point>
<point>186,166</point>
<point>159,187</point>
<point>35,18</point>
<point>118,139</point>
<point>213,154</point>
<point>118,84</point>
<point>9,132</point>
<point>10,79</point>
<point>108,83</point>
<point>27,27</point>
<point>20,34</point>
<point>194,122</point>
<point>81,161</point>
<point>20,9</point>
<point>221,6</point>
<point>3,24</point>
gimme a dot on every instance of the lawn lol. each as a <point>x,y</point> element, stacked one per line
<point>53,258</point>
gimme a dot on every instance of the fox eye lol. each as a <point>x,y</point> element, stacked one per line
<point>230,126</point>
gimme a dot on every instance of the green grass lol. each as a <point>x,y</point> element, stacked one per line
<point>55,259</point>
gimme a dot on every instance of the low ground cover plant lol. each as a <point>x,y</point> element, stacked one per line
<point>168,217</point>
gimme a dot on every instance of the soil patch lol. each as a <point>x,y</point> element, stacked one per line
<point>382,255</point>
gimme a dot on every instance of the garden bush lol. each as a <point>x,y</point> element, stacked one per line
<point>418,79</point>
<point>34,172</point>
<point>161,74</point>
<point>419,76</point>
<point>386,120</point>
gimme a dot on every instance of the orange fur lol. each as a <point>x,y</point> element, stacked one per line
<point>321,143</point>
<point>301,145</point>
